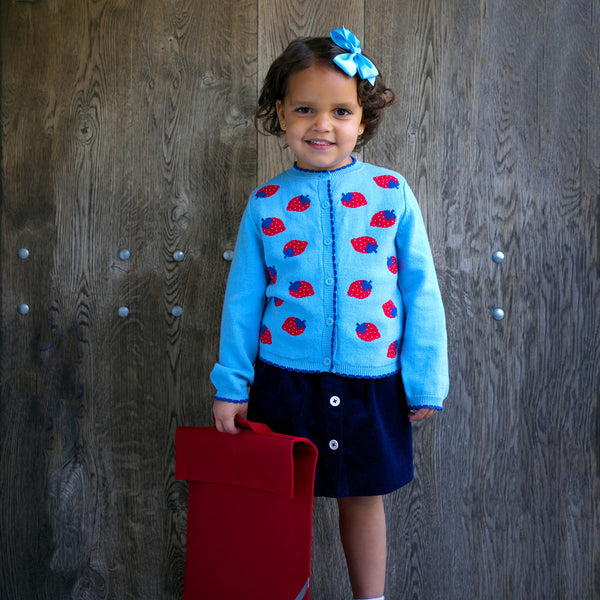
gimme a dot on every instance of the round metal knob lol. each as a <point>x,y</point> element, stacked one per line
<point>498,314</point>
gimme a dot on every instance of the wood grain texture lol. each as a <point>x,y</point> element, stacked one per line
<point>143,117</point>
<point>493,163</point>
<point>128,125</point>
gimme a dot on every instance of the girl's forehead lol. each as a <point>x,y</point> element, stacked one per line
<point>322,81</point>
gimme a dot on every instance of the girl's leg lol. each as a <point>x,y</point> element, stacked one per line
<point>362,529</point>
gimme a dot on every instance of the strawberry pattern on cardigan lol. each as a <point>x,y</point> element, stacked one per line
<point>332,272</point>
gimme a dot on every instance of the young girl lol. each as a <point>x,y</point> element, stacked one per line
<point>333,314</point>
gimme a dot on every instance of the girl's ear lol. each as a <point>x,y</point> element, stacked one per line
<point>280,113</point>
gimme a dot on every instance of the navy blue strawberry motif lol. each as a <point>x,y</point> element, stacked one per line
<point>272,274</point>
<point>367,332</point>
<point>392,264</point>
<point>294,326</point>
<point>272,226</point>
<point>364,244</point>
<point>384,218</point>
<point>301,289</point>
<point>360,289</point>
<point>390,310</point>
<point>267,190</point>
<point>294,248</point>
<point>387,181</point>
<point>393,350</point>
<point>265,335</point>
<point>299,204</point>
<point>353,200</point>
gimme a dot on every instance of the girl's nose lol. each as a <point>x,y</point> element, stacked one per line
<point>322,122</point>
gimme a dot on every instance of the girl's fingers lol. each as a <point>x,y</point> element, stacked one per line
<point>225,414</point>
<point>421,414</point>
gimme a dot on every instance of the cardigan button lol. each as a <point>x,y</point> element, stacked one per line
<point>333,444</point>
<point>327,361</point>
<point>329,321</point>
<point>327,241</point>
<point>334,400</point>
<point>329,281</point>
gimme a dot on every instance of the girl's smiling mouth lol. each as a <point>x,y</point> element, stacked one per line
<point>317,143</point>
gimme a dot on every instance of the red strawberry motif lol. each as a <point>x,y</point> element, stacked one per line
<point>353,200</point>
<point>299,203</point>
<point>364,245</point>
<point>278,301</point>
<point>267,190</point>
<point>367,332</point>
<point>360,289</point>
<point>294,248</point>
<point>393,350</point>
<point>265,335</point>
<point>294,326</point>
<point>384,218</point>
<point>272,226</point>
<point>392,264</point>
<point>272,274</point>
<point>301,289</point>
<point>386,181</point>
<point>390,310</point>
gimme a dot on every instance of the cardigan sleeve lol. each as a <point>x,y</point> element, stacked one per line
<point>243,307</point>
<point>424,354</point>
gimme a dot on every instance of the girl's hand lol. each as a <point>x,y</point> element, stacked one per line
<point>420,414</point>
<point>225,414</point>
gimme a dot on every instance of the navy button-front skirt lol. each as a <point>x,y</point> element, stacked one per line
<point>360,426</point>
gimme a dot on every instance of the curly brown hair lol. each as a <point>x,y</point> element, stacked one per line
<point>303,53</point>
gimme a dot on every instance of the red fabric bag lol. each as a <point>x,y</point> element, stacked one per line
<point>250,501</point>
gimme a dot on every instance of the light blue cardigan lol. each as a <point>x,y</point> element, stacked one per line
<point>332,272</point>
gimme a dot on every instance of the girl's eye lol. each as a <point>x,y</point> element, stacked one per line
<point>341,112</point>
<point>303,109</point>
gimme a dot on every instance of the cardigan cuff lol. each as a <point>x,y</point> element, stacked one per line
<point>416,407</point>
<point>231,400</point>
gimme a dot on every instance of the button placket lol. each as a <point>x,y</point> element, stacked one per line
<point>329,268</point>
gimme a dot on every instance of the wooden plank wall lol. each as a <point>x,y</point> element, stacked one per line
<point>127,125</point>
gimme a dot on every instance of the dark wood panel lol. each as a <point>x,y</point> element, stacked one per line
<point>493,112</point>
<point>150,149</point>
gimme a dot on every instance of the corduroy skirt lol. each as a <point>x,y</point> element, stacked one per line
<point>360,426</point>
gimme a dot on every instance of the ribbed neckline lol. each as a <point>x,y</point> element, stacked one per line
<point>349,167</point>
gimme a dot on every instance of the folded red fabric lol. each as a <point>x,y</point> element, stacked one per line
<point>250,501</point>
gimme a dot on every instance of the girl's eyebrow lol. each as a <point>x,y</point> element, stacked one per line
<point>300,102</point>
<point>345,104</point>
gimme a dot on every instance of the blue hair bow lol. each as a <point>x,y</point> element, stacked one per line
<point>355,60</point>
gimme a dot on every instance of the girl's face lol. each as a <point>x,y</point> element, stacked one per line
<point>321,117</point>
